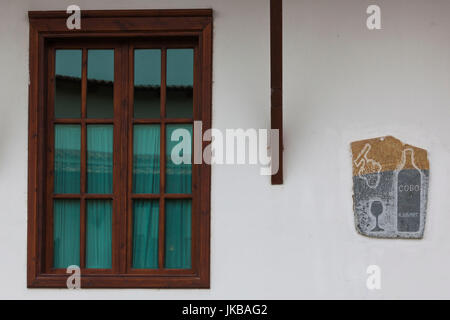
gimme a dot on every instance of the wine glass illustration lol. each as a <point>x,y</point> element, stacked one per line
<point>376,209</point>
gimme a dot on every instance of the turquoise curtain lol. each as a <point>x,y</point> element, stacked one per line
<point>66,233</point>
<point>178,234</point>
<point>100,159</point>
<point>178,212</point>
<point>67,159</point>
<point>146,158</point>
<point>99,234</point>
<point>145,212</point>
<point>145,234</point>
<point>98,212</point>
<point>178,176</point>
<point>146,164</point>
<point>99,181</point>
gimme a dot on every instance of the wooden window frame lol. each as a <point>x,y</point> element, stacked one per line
<point>49,26</point>
<point>276,82</point>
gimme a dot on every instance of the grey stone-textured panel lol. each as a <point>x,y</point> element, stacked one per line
<point>403,212</point>
<point>390,188</point>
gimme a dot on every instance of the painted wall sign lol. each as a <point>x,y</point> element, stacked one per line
<point>390,188</point>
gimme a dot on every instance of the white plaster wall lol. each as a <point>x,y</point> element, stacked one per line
<point>342,82</point>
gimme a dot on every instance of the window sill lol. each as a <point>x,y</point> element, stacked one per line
<point>123,281</point>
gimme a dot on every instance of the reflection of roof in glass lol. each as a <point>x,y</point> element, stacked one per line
<point>110,83</point>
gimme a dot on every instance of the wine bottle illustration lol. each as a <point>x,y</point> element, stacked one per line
<point>409,185</point>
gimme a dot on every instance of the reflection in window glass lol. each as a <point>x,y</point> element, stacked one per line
<point>147,83</point>
<point>68,83</point>
<point>180,81</point>
<point>100,84</point>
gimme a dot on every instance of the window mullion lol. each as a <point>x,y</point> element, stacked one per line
<point>121,120</point>
<point>83,161</point>
<point>162,165</point>
<point>48,264</point>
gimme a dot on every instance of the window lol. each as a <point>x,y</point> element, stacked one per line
<point>105,106</point>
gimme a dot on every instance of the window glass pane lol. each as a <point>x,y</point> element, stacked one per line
<point>147,83</point>
<point>68,83</point>
<point>179,158</point>
<point>100,159</point>
<point>180,81</point>
<point>67,158</point>
<point>100,84</point>
<point>145,234</point>
<point>146,158</point>
<point>99,234</point>
<point>178,234</point>
<point>66,233</point>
